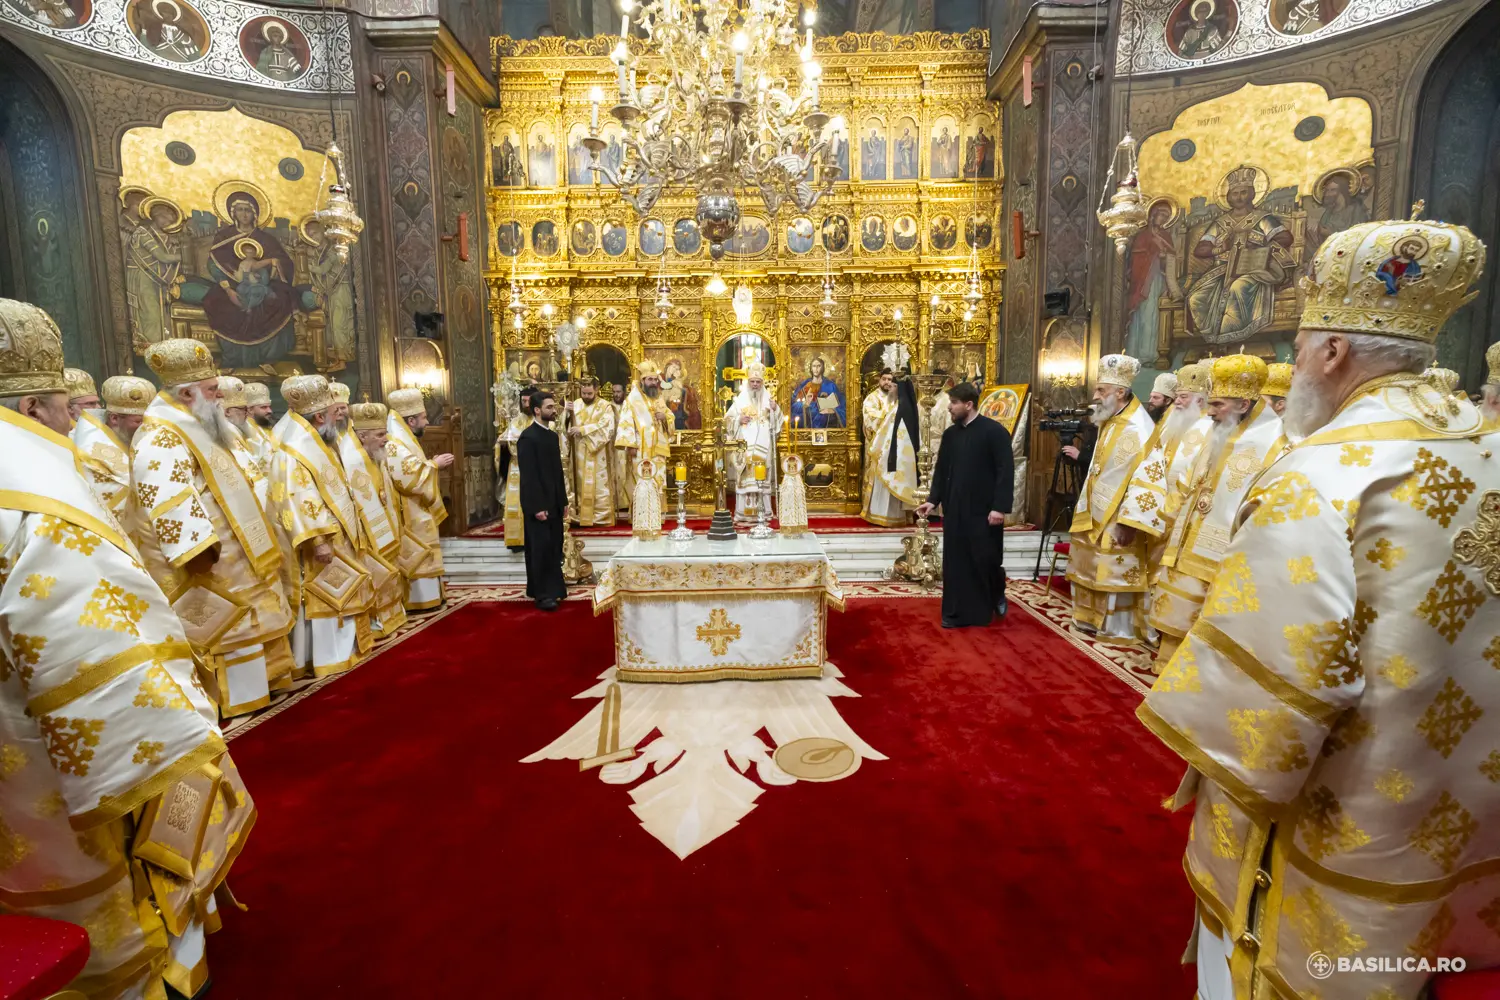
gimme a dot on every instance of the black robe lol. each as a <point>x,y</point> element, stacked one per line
<point>975,474</point>
<point>542,488</point>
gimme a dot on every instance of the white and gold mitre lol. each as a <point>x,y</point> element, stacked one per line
<point>340,392</point>
<point>1166,384</point>
<point>1278,379</point>
<point>1492,362</point>
<point>406,402</point>
<point>257,394</point>
<point>1392,279</point>
<point>1194,377</point>
<point>306,394</point>
<point>232,391</point>
<point>179,361</point>
<point>127,394</point>
<point>1238,376</point>
<point>31,354</point>
<point>368,416</point>
<point>755,370</point>
<point>1445,379</point>
<point>646,368</point>
<point>80,383</point>
<point>1118,369</point>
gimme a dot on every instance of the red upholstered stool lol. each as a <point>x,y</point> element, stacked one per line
<point>39,957</point>
<point>1481,984</point>
<point>1059,550</point>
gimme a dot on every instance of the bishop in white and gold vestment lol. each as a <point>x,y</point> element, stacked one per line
<point>329,582</point>
<point>1211,489</point>
<point>889,489</point>
<point>362,449</point>
<point>644,429</point>
<point>1337,697</point>
<point>515,521</point>
<point>1107,559</point>
<point>203,533</point>
<point>106,736</point>
<point>103,439</point>
<point>1152,500</point>
<point>415,477</point>
<point>592,432</point>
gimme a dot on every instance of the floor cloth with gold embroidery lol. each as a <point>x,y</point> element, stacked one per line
<point>1200,532</point>
<point>1328,696</point>
<point>703,611</point>
<point>192,496</point>
<point>1108,577</point>
<point>120,810</point>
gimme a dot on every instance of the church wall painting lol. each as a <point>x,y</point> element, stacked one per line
<point>680,368</point>
<point>228,40</point>
<point>946,149</point>
<point>172,29</point>
<point>979,148</point>
<point>541,156</point>
<point>507,162</point>
<point>220,245</point>
<point>873,162</point>
<point>1236,213</point>
<point>819,397</point>
<point>906,149</point>
<point>1174,35</point>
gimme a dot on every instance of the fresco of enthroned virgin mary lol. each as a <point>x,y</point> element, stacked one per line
<point>248,296</point>
<point>1238,263</point>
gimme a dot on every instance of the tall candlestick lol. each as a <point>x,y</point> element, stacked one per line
<point>739,68</point>
<point>681,472</point>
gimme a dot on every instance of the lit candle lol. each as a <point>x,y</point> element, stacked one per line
<point>760,471</point>
<point>625,17</point>
<point>597,95</point>
<point>682,472</point>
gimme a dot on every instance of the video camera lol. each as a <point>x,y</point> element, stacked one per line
<point>1065,423</point>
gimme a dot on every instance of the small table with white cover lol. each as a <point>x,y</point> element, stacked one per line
<point>708,611</point>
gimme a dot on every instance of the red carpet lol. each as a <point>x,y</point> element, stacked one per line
<point>1012,847</point>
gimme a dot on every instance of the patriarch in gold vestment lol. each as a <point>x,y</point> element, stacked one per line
<point>1107,557</point>
<point>203,532</point>
<point>1245,433</point>
<point>644,429</point>
<point>415,477</point>
<point>592,433</point>
<point>1337,696</point>
<point>104,728</point>
<point>329,582</point>
<point>103,439</point>
<point>363,450</point>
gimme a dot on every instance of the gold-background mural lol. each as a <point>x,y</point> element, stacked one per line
<point>1232,224</point>
<point>220,244</point>
<point>897,241</point>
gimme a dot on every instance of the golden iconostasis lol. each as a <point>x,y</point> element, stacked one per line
<point>897,242</point>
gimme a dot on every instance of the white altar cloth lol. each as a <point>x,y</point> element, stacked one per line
<point>708,611</point>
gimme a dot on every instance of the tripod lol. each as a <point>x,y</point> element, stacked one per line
<point>1062,497</point>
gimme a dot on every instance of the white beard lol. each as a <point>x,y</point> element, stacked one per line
<point>211,416</point>
<point>1104,410</point>
<point>329,432</point>
<point>1307,405</point>
<point>1219,438</point>
<point>1178,422</point>
<point>239,422</point>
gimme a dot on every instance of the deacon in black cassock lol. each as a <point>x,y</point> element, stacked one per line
<point>544,503</point>
<point>973,482</point>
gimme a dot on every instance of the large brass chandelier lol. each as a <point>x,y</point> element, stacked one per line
<point>723,100</point>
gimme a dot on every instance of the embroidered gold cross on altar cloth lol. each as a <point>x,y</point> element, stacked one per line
<point>718,631</point>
